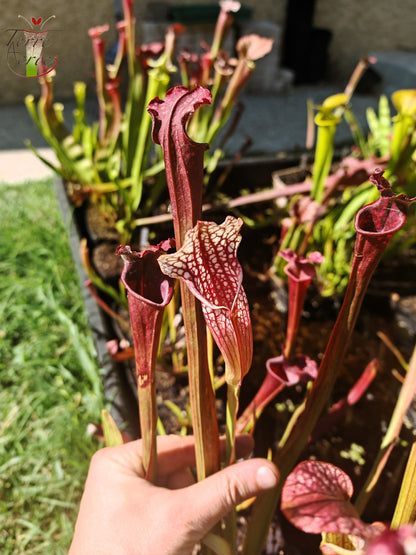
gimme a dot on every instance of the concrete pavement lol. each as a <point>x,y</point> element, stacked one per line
<point>275,124</point>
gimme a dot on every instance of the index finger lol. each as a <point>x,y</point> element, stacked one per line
<point>173,453</point>
<point>177,452</point>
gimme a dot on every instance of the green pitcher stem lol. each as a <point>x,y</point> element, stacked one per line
<point>323,160</point>
<point>155,86</point>
<point>233,392</point>
<point>148,424</point>
<point>391,436</point>
<point>201,393</point>
<point>405,511</point>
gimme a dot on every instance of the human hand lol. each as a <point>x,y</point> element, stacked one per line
<point>122,513</point>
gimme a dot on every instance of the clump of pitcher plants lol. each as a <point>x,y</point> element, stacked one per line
<point>203,256</point>
<point>324,220</point>
<point>154,144</point>
<point>111,163</point>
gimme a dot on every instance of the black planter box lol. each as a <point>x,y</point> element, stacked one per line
<point>116,377</point>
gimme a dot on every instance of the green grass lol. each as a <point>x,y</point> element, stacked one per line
<point>50,387</point>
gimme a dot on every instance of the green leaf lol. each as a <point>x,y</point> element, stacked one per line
<point>112,434</point>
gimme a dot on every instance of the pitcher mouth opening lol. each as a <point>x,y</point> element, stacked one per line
<point>382,217</point>
<point>386,215</point>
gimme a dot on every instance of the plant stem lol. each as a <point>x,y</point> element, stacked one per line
<point>405,512</point>
<point>148,423</point>
<point>201,393</point>
<point>158,81</point>
<point>217,544</point>
<point>184,174</point>
<point>391,436</point>
<point>323,158</point>
<point>210,348</point>
<point>297,295</point>
<point>231,417</point>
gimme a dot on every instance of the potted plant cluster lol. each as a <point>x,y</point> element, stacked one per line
<point>179,301</point>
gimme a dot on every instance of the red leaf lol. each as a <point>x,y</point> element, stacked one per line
<point>300,272</point>
<point>300,268</point>
<point>149,291</point>
<point>376,223</point>
<point>142,276</point>
<point>96,32</point>
<point>286,372</point>
<point>315,498</point>
<point>184,158</point>
<point>387,214</point>
<point>280,373</point>
<point>36,21</point>
<point>394,542</point>
<point>253,47</point>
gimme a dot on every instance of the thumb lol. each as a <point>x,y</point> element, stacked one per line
<point>213,498</point>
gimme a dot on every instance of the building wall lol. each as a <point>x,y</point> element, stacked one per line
<point>271,10</point>
<point>358,27</point>
<point>363,26</point>
<point>70,43</point>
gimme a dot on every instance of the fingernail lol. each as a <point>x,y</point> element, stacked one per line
<point>266,478</point>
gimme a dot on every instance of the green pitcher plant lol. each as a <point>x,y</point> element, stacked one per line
<point>111,163</point>
<point>324,220</point>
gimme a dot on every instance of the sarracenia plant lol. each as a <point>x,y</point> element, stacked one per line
<point>316,496</point>
<point>149,291</point>
<point>184,160</point>
<point>208,265</point>
<point>212,295</point>
<point>286,369</point>
<point>375,225</point>
<point>211,290</point>
<point>111,162</point>
<point>337,195</point>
